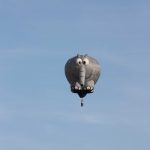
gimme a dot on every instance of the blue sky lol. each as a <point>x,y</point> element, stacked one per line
<point>37,109</point>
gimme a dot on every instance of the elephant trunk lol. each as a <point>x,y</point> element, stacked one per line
<point>82,73</point>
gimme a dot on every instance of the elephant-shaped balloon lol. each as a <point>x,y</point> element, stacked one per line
<point>82,72</point>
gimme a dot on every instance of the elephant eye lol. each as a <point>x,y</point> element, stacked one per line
<point>85,61</point>
<point>79,61</point>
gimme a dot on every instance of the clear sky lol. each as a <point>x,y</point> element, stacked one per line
<point>37,109</point>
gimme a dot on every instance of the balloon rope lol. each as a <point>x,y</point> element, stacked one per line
<point>82,102</point>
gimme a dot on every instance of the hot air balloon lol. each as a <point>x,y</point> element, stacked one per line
<point>82,73</point>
